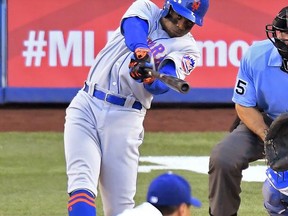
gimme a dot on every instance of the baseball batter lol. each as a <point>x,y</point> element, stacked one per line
<point>260,95</point>
<point>104,121</point>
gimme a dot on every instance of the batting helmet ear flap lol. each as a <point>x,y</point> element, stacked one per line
<point>165,10</point>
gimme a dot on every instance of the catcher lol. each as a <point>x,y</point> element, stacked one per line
<point>260,91</point>
<point>275,187</point>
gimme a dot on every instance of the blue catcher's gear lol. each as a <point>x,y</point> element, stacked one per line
<point>280,23</point>
<point>279,180</point>
<point>193,10</point>
<point>274,201</point>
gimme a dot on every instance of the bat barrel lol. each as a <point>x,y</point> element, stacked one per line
<point>185,87</point>
<point>175,83</point>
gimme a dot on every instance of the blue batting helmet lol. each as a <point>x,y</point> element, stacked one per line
<point>193,10</point>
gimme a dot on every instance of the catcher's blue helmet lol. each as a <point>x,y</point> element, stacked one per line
<point>193,10</point>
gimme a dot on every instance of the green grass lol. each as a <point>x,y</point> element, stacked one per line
<point>33,179</point>
<point>32,174</point>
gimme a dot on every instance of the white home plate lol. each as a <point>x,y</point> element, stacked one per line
<point>255,173</point>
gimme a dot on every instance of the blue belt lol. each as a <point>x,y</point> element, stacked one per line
<point>113,99</point>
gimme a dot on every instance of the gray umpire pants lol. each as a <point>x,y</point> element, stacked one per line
<point>227,160</point>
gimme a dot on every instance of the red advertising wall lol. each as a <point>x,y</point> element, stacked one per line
<point>52,43</point>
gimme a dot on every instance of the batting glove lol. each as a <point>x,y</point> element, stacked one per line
<point>140,62</point>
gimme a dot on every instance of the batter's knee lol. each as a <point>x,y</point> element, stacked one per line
<point>273,201</point>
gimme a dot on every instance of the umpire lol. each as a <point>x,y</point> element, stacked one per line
<point>261,84</point>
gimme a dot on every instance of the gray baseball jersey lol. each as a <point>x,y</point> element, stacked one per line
<point>102,139</point>
<point>111,65</point>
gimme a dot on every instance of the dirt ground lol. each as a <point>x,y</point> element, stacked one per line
<point>34,118</point>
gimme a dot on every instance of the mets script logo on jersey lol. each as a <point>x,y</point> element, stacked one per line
<point>196,5</point>
<point>188,64</point>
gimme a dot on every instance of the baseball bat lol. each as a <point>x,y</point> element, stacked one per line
<point>175,83</point>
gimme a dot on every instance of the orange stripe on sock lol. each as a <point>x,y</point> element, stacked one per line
<point>83,195</point>
<point>81,200</point>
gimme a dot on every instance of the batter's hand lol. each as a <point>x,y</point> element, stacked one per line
<point>140,61</point>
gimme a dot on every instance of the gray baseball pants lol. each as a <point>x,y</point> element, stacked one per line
<point>227,160</point>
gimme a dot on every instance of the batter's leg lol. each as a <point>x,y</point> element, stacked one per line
<point>81,202</point>
<point>227,160</point>
<point>120,143</point>
<point>83,158</point>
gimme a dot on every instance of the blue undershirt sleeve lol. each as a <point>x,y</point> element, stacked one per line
<point>135,31</point>
<point>158,87</point>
